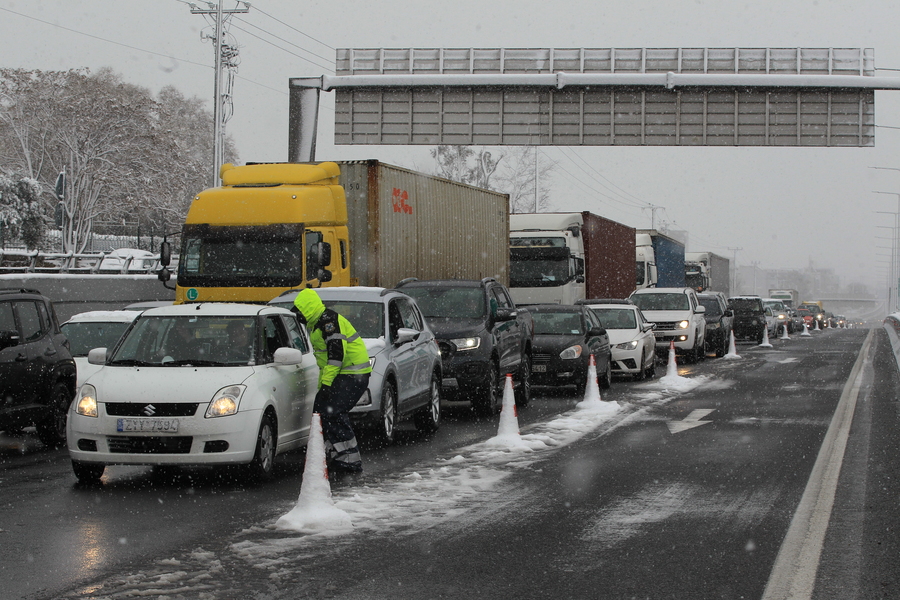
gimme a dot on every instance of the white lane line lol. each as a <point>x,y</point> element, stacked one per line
<point>794,573</point>
<point>690,421</point>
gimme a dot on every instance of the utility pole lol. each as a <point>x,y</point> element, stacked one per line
<point>224,58</point>
<point>734,270</point>
<point>652,208</point>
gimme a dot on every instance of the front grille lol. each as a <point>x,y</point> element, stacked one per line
<point>149,445</point>
<point>666,325</point>
<point>540,358</point>
<point>148,409</point>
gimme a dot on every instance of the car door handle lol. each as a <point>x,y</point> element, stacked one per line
<point>21,358</point>
<point>50,351</point>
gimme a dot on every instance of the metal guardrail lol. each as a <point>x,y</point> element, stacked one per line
<point>23,261</point>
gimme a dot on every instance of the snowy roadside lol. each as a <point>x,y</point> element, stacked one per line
<point>455,490</point>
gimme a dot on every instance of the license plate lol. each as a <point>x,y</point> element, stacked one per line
<point>148,425</point>
<point>539,368</point>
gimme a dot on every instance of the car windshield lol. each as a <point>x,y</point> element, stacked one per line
<point>83,336</point>
<point>712,306</point>
<point>366,317</point>
<point>746,304</point>
<point>616,318</point>
<point>661,301</point>
<point>182,340</point>
<point>450,303</point>
<point>557,323</point>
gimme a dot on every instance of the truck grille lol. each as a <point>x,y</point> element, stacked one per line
<point>666,325</point>
<point>161,409</point>
<point>149,445</point>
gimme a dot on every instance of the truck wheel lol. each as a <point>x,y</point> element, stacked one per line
<point>88,473</point>
<point>428,419</point>
<point>523,392</point>
<point>388,422</point>
<point>52,430</point>
<point>488,400</point>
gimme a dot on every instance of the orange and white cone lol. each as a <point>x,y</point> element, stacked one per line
<point>784,333</point>
<point>509,421</point>
<point>592,389</point>
<point>805,330</point>
<point>315,509</point>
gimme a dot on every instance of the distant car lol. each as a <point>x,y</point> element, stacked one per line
<point>807,317</point>
<point>840,321</point>
<point>180,388</point>
<point>37,373</point>
<point>749,317</point>
<point>781,313</point>
<point>94,329</point>
<point>631,338</point>
<point>719,321</point>
<point>679,318</point>
<point>772,323</point>
<point>406,360</point>
<point>565,337</point>
<point>128,260</point>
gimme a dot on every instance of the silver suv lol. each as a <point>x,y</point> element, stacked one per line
<point>679,318</point>
<point>406,360</point>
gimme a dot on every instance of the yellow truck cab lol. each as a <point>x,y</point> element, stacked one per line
<point>269,228</point>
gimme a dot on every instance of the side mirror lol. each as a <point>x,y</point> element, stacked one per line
<point>8,339</point>
<point>505,314</point>
<point>324,276</point>
<point>97,356</point>
<point>164,275</point>
<point>165,254</point>
<point>287,356</point>
<point>404,335</point>
<point>728,313</point>
<point>701,310</point>
<point>579,279</point>
<point>648,326</point>
<point>596,331</point>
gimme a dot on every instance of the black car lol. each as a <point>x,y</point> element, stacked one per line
<point>565,337</point>
<point>482,337</point>
<point>719,322</point>
<point>749,317</point>
<point>37,372</point>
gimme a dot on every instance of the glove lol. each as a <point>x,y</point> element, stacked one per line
<point>323,398</point>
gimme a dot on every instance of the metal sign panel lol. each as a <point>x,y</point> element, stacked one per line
<point>586,97</point>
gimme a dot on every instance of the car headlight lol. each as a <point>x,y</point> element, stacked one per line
<point>570,353</point>
<point>225,402</point>
<point>469,343</point>
<point>627,345</point>
<point>684,324</point>
<point>87,401</point>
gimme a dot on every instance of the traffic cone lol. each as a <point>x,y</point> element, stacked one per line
<point>592,389</point>
<point>315,509</point>
<point>672,367</point>
<point>805,330</point>
<point>766,343</point>
<point>509,421</point>
<point>817,326</point>
<point>784,333</point>
<point>732,347</point>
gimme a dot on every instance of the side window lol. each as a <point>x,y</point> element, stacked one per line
<point>295,334</point>
<point>29,320</point>
<point>503,300</point>
<point>45,317</point>
<point>7,320</point>
<point>693,302</point>
<point>395,319</point>
<point>408,315</point>
<point>275,337</point>
<point>312,238</point>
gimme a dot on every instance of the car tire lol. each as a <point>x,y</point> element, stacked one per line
<point>641,375</point>
<point>488,400</point>
<point>605,380</point>
<point>52,430</point>
<point>651,370</point>
<point>386,429</point>
<point>88,473</point>
<point>262,467</point>
<point>722,347</point>
<point>523,392</point>
<point>428,418</point>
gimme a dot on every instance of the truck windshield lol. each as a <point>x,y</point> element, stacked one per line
<point>540,267</point>
<point>241,256</point>
<point>459,303</point>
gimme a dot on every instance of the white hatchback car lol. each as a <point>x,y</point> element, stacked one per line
<point>197,384</point>
<point>94,329</point>
<point>631,337</point>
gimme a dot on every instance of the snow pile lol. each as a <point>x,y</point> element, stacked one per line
<point>315,510</point>
<point>508,430</point>
<point>732,349</point>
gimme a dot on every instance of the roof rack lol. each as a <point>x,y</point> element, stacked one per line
<point>19,291</point>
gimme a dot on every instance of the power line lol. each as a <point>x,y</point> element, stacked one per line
<point>325,58</point>
<point>258,9</point>
<point>329,68</point>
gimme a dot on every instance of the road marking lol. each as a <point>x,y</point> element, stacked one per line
<point>794,573</point>
<point>788,360</point>
<point>690,421</point>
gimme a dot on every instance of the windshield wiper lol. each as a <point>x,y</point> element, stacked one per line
<point>130,362</point>
<point>193,363</point>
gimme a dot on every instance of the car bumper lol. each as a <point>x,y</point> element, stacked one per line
<point>198,440</point>
<point>557,371</point>
<point>465,373</point>
<point>684,340</point>
<point>626,361</point>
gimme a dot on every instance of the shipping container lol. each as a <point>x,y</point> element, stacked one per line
<point>609,249</point>
<point>408,224</point>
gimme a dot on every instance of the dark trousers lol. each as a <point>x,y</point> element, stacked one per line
<point>340,440</point>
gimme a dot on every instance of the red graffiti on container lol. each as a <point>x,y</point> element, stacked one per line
<point>399,200</point>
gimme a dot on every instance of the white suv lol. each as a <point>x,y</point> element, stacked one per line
<point>678,316</point>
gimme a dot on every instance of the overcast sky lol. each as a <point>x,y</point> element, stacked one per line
<point>784,207</point>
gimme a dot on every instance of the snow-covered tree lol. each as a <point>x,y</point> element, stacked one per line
<point>20,214</point>
<point>522,170</point>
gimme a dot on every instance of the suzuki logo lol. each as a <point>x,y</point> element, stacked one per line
<point>149,410</point>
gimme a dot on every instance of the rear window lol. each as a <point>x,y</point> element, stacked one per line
<point>747,304</point>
